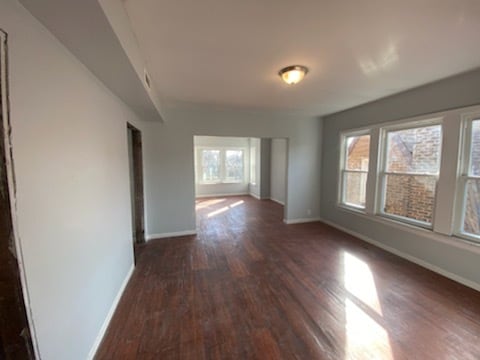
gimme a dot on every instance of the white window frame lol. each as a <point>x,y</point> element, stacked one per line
<point>342,169</point>
<point>464,175</point>
<point>253,164</point>
<point>223,171</point>
<point>382,173</point>
<point>448,197</point>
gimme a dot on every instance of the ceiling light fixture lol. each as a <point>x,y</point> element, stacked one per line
<point>293,74</point>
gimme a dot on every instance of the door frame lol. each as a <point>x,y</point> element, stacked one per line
<point>138,186</point>
<point>16,246</point>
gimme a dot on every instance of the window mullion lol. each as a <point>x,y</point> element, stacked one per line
<point>443,219</point>
<point>372,172</point>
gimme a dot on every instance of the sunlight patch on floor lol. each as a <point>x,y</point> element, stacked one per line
<point>359,282</point>
<point>200,204</point>
<point>365,337</point>
<point>225,208</point>
<point>236,204</point>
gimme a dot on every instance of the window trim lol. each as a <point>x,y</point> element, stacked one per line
<point>463,176</point>
<point>253,165</point>
<point>342,170</point>
<point>382,173</point>
<point>223,150</point>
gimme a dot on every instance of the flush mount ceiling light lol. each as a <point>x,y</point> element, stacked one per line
<point>293,74</point>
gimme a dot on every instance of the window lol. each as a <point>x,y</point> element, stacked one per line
<point>234,165</point>
<point>356,150</point>
<point>220,165</point>
<point>411,167</point>
<point>407,179</point>
<point>211,166</point>
<point>470,181</point>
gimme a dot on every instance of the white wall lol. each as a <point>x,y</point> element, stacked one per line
<point>169,164</point>
<point>254,188</point>
<point>73,202</point>
<point>223,189</point>
<point>278,170</point>
<point>454,258</point>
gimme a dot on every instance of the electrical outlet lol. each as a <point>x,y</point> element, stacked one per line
<point>309,212</point>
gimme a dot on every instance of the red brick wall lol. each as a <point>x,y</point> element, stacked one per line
<point>412,151</point>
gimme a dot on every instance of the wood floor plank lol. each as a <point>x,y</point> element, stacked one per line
<point>247,286</point>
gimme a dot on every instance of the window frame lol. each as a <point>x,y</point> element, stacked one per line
<point>223,168</point>
<point>253,165</point>
<point>382,172</point>
<point>463,175</point>
<point>344,135</point>
<point>447,206</point>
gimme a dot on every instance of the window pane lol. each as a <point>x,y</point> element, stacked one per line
<point>357,152</point>
<point>475,149</point>
<point>414,150</point>
<point>410,196</point>
<point>354,188</point>
<point>234,165</point>
<point>210,165</point>
<point>471,222</point>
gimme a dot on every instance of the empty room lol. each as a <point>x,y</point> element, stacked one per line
<point>240,180</point>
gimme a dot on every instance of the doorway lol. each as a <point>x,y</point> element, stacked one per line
<point>238,166</point>
<point>136,184</point>
<point>15,342</point>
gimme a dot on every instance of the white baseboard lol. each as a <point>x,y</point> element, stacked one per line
<point>406,256</point>
<point>300,221</point>
<point>110,313</point>
<point>278,201</point>
<point>218,195</point>
<point>255,196</point>
<point>171,234</point>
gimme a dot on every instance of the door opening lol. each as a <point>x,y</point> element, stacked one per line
<point>15,341</point>
<point>232,166</point>
<point>136,183</point>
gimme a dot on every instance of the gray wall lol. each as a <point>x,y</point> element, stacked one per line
<point>453,257</point>
<point>169,164</point>
<point>265,160</point>
<point>73,199</point>
<point>278,170</point>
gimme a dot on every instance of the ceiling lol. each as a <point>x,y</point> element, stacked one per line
<point>228,53</point>
<point>99,47</point>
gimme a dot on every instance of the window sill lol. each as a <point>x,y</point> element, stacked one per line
<point>354,209</point>
<point>453,240</point>
<point>406,221</point>
<point>221,183</point>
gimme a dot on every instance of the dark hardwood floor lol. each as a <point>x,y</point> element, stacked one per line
<point>250,287</point>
